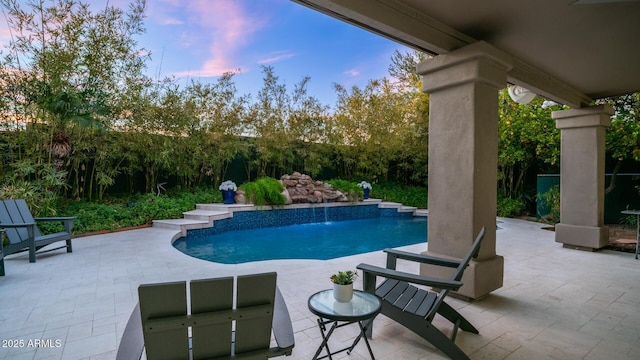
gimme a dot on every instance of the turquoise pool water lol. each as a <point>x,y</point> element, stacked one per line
<point>319,241</point>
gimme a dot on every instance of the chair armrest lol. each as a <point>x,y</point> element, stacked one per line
<point>17,225</point>
<point>58,218</point>
<point>426,259</point>
<point>282,327</point>
<point>411,278</point>
<point>132,341</point>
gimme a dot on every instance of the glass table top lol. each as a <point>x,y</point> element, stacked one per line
<point>361,307</point>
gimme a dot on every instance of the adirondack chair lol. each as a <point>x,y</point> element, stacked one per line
<point>216,328</point>
<point>23,233</point>
<point>415,307</point>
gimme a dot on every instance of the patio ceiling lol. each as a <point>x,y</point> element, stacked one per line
<point>570,51</point>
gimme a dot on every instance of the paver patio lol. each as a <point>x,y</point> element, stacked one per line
<point>555,303</point>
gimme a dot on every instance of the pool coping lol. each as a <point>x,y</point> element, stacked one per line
<point>205,215</point>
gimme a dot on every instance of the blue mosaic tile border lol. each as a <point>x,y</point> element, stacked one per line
<point>284,217</point>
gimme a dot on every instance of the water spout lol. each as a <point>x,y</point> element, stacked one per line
<point>324,204</point>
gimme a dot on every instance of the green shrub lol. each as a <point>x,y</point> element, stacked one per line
<point>508,207</point>
<point>264,191</point>
<point>349,188</point>
<point>407,195</point>
<point>40,200</point>
<point>551,200</point>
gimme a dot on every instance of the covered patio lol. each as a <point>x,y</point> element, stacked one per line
<point>555,303</point>
<point>572,52</point>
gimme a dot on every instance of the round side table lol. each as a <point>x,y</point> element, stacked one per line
<point>362,309</point>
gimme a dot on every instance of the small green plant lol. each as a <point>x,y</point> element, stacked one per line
<point>264,191</point>
<point>551,200</point>
<point>344,277</point>
<point>629,221</point>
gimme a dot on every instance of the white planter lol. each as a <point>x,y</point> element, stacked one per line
<point>343,293</point>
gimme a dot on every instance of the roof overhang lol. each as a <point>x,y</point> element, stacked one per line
<point>568,51</point>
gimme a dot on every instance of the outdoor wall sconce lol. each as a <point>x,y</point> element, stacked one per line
<point>521,95</point>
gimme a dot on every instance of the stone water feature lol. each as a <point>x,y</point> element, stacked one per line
<point>301,188</point>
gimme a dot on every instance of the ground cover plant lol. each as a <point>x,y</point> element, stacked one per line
<point>131,211</point>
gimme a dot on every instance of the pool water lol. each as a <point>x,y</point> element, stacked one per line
<point>319,241</point>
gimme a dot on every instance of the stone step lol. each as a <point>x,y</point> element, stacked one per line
<point>230,208</point>
<point>421,212</point>
<point>181,224</point>
<point>389,205</point>
<point>372,200</point>
<point>410,209</point>
<point>207,215</point>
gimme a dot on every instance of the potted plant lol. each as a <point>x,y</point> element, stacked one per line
<point>228,189</point>
<point>343,285</point>
<point>366,187</point>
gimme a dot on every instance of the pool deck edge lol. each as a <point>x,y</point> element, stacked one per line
<point>205,215</point>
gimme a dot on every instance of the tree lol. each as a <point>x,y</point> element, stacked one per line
<point>374,126</point>
<point>222,114</point>
<point>403,67</point>
<point>526,136</point>
<point>623,137</point>
<point>68,68</point>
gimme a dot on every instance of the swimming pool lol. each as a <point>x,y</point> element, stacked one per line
<point>321,241</point>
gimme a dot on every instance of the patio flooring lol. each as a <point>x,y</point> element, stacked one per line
<point>555,303</point>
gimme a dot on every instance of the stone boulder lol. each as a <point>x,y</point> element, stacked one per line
<point>301,188</point>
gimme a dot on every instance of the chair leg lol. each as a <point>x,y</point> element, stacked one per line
<point>1,266</point>
<point>427,331</point>
<point>442,342</point>
<point>32,251</point>
<point>69,248</point>
<point>369,285</point>
<point>452,315</point>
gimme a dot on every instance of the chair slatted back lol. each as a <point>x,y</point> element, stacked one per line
<point>214,340</point>
<point>457,274</point>
<point>16,212</point>
<point>254,290</point>
<point>471,254</point>
<point>212,319</point>
<point>159,301</point>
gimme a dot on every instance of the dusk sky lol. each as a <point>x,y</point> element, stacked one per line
<point>201,39</point>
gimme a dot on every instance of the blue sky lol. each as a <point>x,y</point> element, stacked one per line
<point>201,39</point>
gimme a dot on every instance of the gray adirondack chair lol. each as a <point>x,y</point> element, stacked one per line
<point>23,233</point>
<point>216,328</point>
<point>415,307</point>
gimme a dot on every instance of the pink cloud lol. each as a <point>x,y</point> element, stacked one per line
<point>224,27</point>
<point>5,33</point>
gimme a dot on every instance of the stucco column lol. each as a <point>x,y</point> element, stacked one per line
<point>582,150</point>
<point>463,155</point>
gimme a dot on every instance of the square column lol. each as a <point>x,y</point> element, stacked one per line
<point>463,160</point>
<point>582,150</point>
